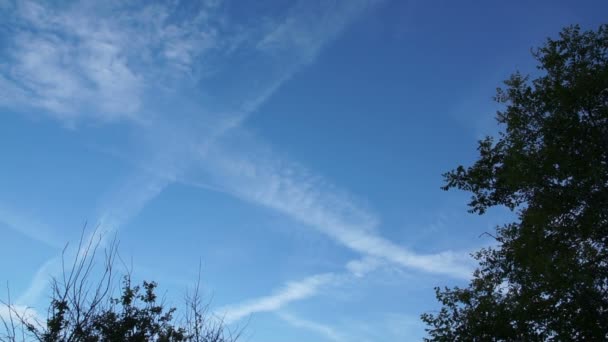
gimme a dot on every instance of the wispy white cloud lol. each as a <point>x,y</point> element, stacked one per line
<point>104,61</point>
<point>361,267</point>
<point>309,25</point>
<point>291,189</point>
<point>15,313</point>
<point>277,183</point>
<point>28,226</point>
<point>397,326</point>
<point>297,38</point>
<point>96,60</point>
<point>292,291</point>
<point>40,281</point>
<point>117,210</point>
<point>70,65</point>
<point>319,328</point>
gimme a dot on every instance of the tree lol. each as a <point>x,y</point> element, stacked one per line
<point>547,277</point>
<point>83,309</point>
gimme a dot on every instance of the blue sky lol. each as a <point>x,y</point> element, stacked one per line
<point>293,148</point>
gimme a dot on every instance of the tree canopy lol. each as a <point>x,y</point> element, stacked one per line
<point>83,308</point>
<point>547,277</point>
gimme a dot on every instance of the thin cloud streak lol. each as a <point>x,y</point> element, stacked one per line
<point>361,267</point>
<point>40,281</point>
<point>123,205</point>
<point>322,329</point>
<point>294,191</point>
<point>27,226</point>
<point>289,188</point>
<point>15,312</point>
<point>294,291</point>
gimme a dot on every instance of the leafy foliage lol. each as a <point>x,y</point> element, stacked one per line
<point>83,310</point>
<point>135,316</point>
<point>547,280</point>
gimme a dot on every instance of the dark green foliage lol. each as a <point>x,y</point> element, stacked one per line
<point>135,316</point>
<point>82,309</point>
<point>547,279</point>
